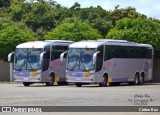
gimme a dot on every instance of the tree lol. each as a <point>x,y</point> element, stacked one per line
<point>97,18</point>
<point>75,6</point>
<point>75,31</point>
<point>5,22</point>
<point>5,3</point>
<point>73,11</point>
<point>137,30</point>
<point>11,36</point>
<point>128,12</point>
<point>42,15</point>
<point>19,10</point>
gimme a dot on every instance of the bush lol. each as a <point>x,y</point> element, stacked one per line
<point>74,31</point>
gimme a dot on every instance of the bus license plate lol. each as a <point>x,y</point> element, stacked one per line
<point>78,79</point>
<point>26,78</point>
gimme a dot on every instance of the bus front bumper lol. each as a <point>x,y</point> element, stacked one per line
<point>80,79</point>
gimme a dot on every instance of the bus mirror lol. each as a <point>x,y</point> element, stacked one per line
<point>41,56</point>
<point>95,56</point>
<point>10,57</point>
<point>62,56</point>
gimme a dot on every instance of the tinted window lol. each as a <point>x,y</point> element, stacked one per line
<point>99,61</point>
<point>57,51</point>
<point>46,58</point>
<point>112,51</point>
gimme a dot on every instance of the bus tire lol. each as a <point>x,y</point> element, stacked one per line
<point>141,79</point>
<point>114,84</point>
<point>26,83</point>
<point>62,83</point>
<point>78,85</point>
<point>104,82</point>
<point>136,79</point>
<point>59,83</point>
<point>51,80</point>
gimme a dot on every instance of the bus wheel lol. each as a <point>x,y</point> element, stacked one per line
<point>136,79</point>
<point>78,85</point>
<point>51,80</point>
<point>26,83</point>
<point>104,82</point>
<point>114,84</point>
<point>141,79</point>
<point>62,83</point>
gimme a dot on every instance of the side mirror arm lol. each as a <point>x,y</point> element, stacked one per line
<point>41,56</point>
<point>62,56</point>
<point>10,56</point>
<point>95,56</point>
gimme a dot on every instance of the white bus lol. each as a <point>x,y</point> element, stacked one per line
<point>39,62</point>
<point>108,62</point>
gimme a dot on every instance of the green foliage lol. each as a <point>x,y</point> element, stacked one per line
<point>21,20</point>
<point>97,18</point>
<point>19,11</point>
<point>120,13</point>
<point>41,15</point>
<point>38,16</point>
<point>74,31</point>
<point>5,22</point>
<point>11,36</point>
<point>137,30</point>
<point>5,3</point>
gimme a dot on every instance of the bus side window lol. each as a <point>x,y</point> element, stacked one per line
<point>149,53</point>
<point>99,61</point>
<point>107,53</point>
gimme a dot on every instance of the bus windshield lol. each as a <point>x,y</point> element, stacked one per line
<point>27,59</point>
<point>80,59</point>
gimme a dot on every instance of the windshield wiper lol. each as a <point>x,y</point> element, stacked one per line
<point>81,61</point>
<point>72,68</point>
<point>23,64</point>
<point>30,67</point>
<point>83,65</point>
<point>28,61</point>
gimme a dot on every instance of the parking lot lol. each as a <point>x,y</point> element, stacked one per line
<point>15,94</point>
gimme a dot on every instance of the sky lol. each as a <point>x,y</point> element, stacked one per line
<point>151,8</point>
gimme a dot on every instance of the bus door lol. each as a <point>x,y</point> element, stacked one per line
<point>46,64</point>
<point>99,64</point>
<point>58,66</point>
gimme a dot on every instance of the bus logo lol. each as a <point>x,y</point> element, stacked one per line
<point>6,109</point>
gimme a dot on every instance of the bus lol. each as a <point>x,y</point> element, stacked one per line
<point>39,62</point>
<point>108,62</point>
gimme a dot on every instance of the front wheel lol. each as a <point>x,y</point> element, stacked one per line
<point>104,82</point>
<point>62,83</point>
<point>78,85</point>
<point>51,80</point>
<point>26,83</point>
<point>114,84</point>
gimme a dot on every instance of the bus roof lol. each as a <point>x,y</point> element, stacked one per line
<point>146,45</point>
<point>96,43</point>
<point>86,44</point>
<point>40,44</point>
<point>62,41</point>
